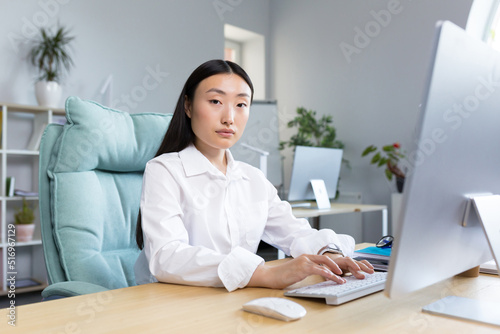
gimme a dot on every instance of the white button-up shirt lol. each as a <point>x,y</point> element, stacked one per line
<point>202,227</point>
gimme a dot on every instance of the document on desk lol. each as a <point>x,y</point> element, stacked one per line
<point>489,267</point>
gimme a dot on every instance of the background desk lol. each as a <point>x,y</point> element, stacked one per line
<point>338,208</point>
<point>169,308</point>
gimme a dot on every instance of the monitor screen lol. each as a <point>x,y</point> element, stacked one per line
<point>456,153</point>
<point>311,163</point>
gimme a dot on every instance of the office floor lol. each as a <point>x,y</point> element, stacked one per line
<point>269,253</point>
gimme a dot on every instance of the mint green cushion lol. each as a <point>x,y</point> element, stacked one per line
<point>95,173</point>
<point>102,138</point>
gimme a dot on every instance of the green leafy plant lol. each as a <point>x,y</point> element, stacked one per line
<point>50,55</point>
<point>25,215</point>
<point>389,156</point>
<point>312,131</point>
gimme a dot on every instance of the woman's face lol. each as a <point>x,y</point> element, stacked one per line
<point>219,112</point>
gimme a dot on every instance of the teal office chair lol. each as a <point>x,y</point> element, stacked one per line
<point>90,186</point>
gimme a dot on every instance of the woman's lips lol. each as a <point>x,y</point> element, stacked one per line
<point>225,132</point>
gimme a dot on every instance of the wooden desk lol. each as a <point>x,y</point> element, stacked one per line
<point>338,208</point>
<point>169,308</point>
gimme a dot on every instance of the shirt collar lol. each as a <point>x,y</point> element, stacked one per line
<point>195,163</point>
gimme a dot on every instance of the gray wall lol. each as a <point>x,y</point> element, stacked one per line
<point>128,39</point>
<point>373,95</point>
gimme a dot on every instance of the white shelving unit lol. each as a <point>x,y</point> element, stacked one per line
<point>19,159</point>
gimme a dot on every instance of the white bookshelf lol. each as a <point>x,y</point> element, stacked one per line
<point>19,159</point>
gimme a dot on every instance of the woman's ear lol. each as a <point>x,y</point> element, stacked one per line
<point>187,106</point>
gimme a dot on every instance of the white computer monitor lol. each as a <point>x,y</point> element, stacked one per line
<point>314,163</point>
<point>456,154</point>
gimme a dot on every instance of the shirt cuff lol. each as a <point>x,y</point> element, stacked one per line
<point>236,270</point>
<point>347,244</point>
<point>312,243</point>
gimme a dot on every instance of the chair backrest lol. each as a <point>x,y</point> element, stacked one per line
<point>90,186</point>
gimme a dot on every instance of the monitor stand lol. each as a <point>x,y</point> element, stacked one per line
<point>487,208</point>
<point>320,194</point>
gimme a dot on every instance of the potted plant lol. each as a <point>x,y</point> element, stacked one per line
<point>24,219</point>
<point>389,156</point>
<point>311,131</point>
<point>49,54</point>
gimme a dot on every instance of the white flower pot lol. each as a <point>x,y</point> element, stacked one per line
<point>24,232</point>
<point>48,93</point>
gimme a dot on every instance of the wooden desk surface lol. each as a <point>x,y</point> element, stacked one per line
<point>169,308</point>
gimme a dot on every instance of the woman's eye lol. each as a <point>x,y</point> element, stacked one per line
<point>215,101</point>
<point>242,105</point>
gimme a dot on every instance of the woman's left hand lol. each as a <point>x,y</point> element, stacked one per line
<point>347,264</point>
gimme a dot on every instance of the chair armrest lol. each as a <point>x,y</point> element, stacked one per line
<point>70,289</point>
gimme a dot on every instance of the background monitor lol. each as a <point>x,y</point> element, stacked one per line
<point>456,154</point>
<point>314,163</point>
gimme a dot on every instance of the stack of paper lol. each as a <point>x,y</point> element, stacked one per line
<point>25,193</point>
<point>489,267</point>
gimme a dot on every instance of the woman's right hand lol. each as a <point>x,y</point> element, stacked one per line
<point>295,270</point>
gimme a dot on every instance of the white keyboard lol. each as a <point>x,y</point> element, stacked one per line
<point>336,294</point>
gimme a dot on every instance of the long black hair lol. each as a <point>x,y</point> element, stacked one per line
<point>179,133</point>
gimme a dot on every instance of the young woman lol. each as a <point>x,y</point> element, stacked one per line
<point>203,214</point>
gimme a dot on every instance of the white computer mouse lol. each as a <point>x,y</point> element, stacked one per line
<point>277,308</point>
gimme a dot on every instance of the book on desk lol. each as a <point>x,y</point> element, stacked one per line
<point>378,257</point>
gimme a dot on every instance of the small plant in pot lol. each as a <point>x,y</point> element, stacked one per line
<point>312,131</point>
<point>24,219</point>
<point>49,54</point>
